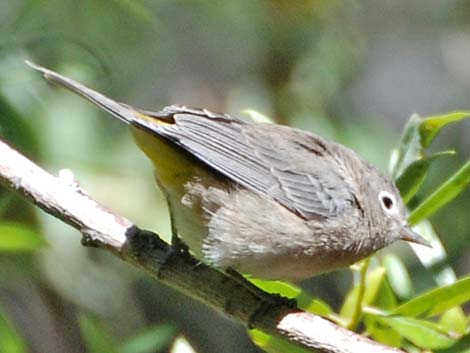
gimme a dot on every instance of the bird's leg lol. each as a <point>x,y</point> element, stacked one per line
<point>176,243</point>
<point>178,247</point>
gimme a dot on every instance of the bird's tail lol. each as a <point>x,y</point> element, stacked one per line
<point>123,112</point>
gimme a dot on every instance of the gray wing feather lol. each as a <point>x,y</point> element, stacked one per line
<point>291,166</point>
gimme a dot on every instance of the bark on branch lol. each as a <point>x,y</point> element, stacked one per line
<point>102,228</point>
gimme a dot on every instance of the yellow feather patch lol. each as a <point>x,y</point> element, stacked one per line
<point>174,167</point>
<point>152,119</point>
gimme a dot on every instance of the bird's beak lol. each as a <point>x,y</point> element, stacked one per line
<point>409,235</point>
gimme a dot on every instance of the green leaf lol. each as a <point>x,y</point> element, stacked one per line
<point>430,126</point>
<point>422,333</point>
<point>15,237</point>
<point>437,300</point>
<point>285,289</point>
<point>435,258</point>
<point>385,298</point>
<point>461,346</point>
<point>417,135</point>
<point>94,335</point>
<point>413,176</point>
<point>273,344</point>
<point>409,148</point>
<point>410,348</point>
<point>153,339</point>
<point>288,290</point>
<point>373,283</point>
<point>382,333</point>
<point>454,320</point>
<point>444,194</point>
<point>10,340</point>
<point>398,276</point>
<point>313,305</point>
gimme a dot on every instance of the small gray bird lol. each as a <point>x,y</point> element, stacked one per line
<point>267,200</point>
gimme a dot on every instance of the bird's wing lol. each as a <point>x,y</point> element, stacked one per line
<point>293,167</point>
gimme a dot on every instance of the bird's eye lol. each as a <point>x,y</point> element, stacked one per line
<point>388,203</point>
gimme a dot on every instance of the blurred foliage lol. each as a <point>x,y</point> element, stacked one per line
<point>11,341</point>
<point>352,71</point>
<point>18,238</point>
<point>151,339</point>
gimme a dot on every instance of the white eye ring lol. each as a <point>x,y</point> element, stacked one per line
<point>388,202</point>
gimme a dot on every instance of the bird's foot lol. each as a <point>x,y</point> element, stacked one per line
<point>177,249</point>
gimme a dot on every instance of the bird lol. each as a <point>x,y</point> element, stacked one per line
<point>266,200</point>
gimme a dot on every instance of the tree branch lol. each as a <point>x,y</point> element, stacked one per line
<point>102,228</point>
